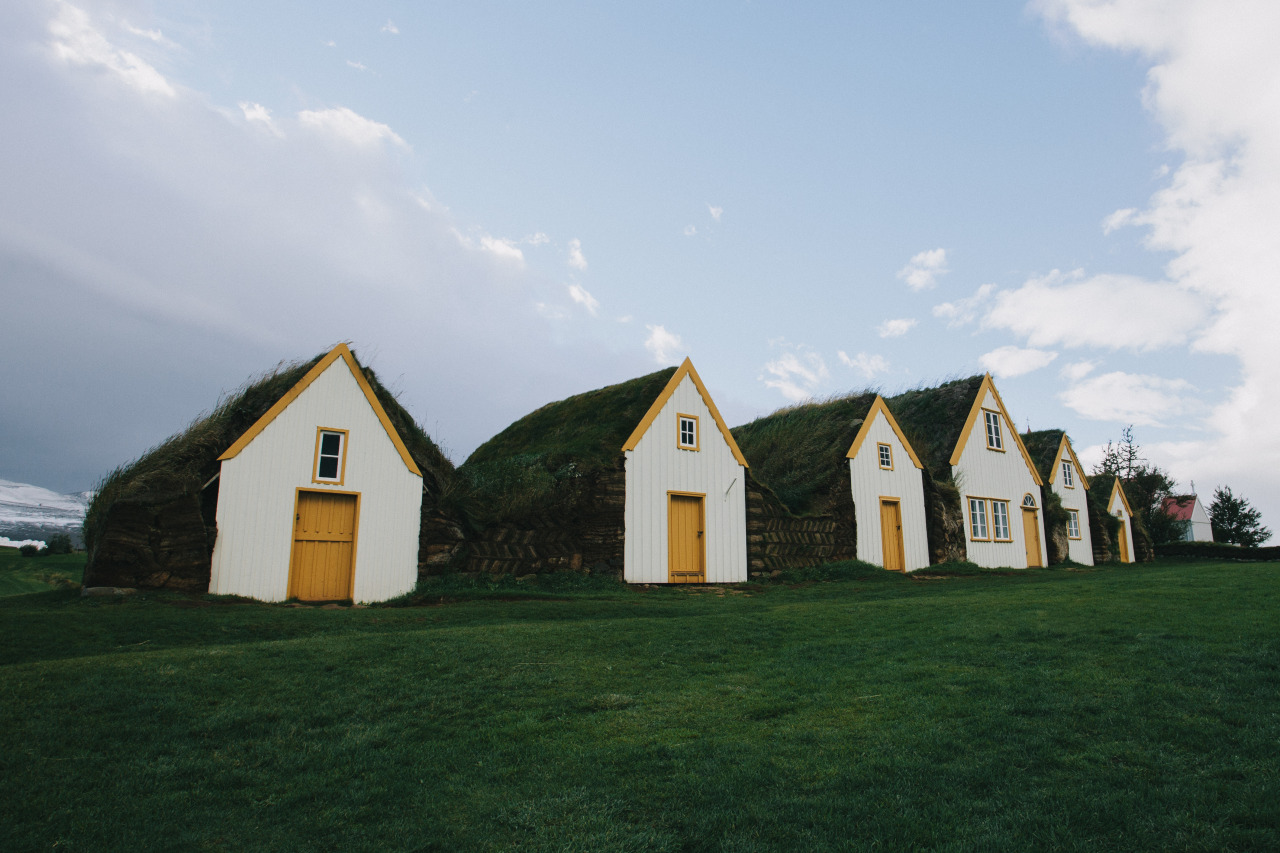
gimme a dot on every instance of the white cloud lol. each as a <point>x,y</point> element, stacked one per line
<point>868,365</point>
<point>259,114</point>
<point>350,127</point>
<point>76,41</point>
<point>504,249</point>
<point>1077,370</point>
<point>359,66</point>
<point>715,211</point>
<point>390,28</point>
<point>1118,219</point>
<point>664,346</point>
<point>1107,310</point>
<point>1129,398</point>
<point>150,35</point>
<point>797,374</point>
<point>579,295</point>
<point>690,230</point>
<point>576,259</point>
<point>330,43</point>
<point>1012,361</point>
<point>538,239</point>
<point>923,270</point>
<point>965,311</point>
<point>896,328</point>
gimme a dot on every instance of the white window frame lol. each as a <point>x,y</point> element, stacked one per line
<point>340,456</point>
<point>1073,524</point>
<point>995,439</point>
<point>978,530</point>
<point>1068,475</point>
<point>885,454</point>
<point>692,422</point>
<point>999,516</point>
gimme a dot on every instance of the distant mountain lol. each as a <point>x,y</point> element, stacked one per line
<point>30,512</point>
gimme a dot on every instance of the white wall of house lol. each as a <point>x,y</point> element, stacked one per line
<point>1201,528</point>
<point>997,475</point>
<point>871,483</point>
<point>1080,550</point>
<point>1116,507</point>
<point>656,466</point>
<point>258,489</point>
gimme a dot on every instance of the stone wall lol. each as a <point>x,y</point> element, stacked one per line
<point>944,520</point>
<point>157,542</point>
<point>778,540</point>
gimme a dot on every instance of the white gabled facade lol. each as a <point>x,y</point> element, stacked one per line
<point>1118,505</point>
<point>658,466</point>
<point>876,481</point>
<point>1068,481</point>
<point>265,473</point>
<point>996,479</point>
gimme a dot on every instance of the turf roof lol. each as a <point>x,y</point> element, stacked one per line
<point>189,459</point>
<point>933,418</point>
<point>799,450</point>
<point>1042,445</point>
<point>587,430</point>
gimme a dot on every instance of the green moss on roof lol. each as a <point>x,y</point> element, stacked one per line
<point>186,461</point>
<point>933,418</point>
<point>533,467</point>
<point>799,451</point>
<point>1042,445</point>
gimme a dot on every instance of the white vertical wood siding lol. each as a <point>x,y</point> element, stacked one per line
<point>984,473</point>
<point>1201,527</point>
<point>870,483</point>
<point>1117,509</point>
<point>657,466</point>
<point>257,492</point>
<point>1079,550</point>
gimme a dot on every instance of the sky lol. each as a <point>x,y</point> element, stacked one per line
<point>502,204</point>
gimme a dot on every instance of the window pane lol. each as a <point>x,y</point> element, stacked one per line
<point>328,469</point>
<point>1000,519</point>
<point>330,443</point>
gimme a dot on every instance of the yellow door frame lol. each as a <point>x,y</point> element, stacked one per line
<point>901,548</point>
<point>702,533</point>
<point>293,539</point>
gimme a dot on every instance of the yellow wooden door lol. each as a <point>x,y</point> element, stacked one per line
<point>324,539</point>
<point>686,542</point>
<point>1124,541</point>
<point>891,535</point>
<point>1031,535</point>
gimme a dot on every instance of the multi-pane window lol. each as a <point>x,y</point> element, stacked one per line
<point>886,456</point>
<point>994,440</point>
<point>331,447</point>
<point>978,519</point>
<point>1068,477</point>
<point>1000,521</point>
<point>688,438</point>
<point>1073,524</point>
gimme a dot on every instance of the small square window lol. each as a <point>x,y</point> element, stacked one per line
<point>1068,475</point>
<point>331,456</point>
<point>688,435</point>
<point>995,440</point>
<point>886,456</point>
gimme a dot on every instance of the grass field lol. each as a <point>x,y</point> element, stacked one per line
<point>1133,708</point>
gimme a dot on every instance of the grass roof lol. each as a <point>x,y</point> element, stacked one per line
<point>798,451</point>
<point>933,418</point>
<point>1042,446</point>
<point>186,461</point>
<point>527,470</point>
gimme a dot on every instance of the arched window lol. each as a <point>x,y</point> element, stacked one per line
<point>1029,502</point>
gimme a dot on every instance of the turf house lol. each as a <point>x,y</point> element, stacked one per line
<point>642,477</point>
<point>982,491</point>
<point>311,482</point>
<point>1065,496</point>
<point>846,458</point>
<point>1188,509</point>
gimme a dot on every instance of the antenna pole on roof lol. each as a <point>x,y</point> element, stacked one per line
<point>1193,488</point>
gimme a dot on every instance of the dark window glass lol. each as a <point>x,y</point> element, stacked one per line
<point>328,468</point>
<point>330,444</point>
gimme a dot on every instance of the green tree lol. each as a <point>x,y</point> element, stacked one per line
<point>1235,521</point>
<point>1145,485</point>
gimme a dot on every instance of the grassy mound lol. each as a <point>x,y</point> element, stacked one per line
<point>933,418</point>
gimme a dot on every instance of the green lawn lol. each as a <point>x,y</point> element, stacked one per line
<point>19,574</point>
<point>1119,709</point>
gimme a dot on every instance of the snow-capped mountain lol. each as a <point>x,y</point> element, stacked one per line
<point>28,511</point>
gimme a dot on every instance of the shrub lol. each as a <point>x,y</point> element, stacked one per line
<point>32,551</point>
<point>59,543</point>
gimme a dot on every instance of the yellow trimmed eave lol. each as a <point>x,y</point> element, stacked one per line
<point>988,385</point>
<point>686,369</point>
<point>341,351</point>
<point>1116,488</point>
<point>1053,474</point>
<point>880,407</point>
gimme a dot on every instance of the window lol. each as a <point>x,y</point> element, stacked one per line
<point>688,437</point>
<point>1000,521</point>
<point>331,456</point>
<point>1028,501</point>
<point>1068,477</point>
<point>1073,524</point>
<point>978,519</point>
<point>886,456</point>
<point>994,440</point>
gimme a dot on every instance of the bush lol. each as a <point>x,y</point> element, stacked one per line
<point>32,551</point>
<point>59,543</point>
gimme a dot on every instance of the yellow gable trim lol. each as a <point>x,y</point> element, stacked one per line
<point>880,408</point>
<point>1053,474</point>
<point>988,385</point>
<point>1116,488</point>
<point>339,351</point>
<point>686,369</point>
